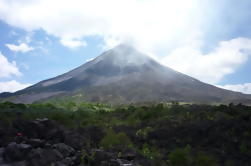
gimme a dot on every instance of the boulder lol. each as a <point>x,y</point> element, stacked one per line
<point>16,152</point>
<point>59,163</point>
<point>40,128</point>
<point>1,155</point>
<point>101,155</point>
<point>35,143</point>
<point>19,163</point>
<point>103,158</point>
<point>75,140</point>
<point>68,161</point>
<point>42,157</point>
<point>129,154</point>
<point>124,162</point>
<point>64,149</point>
<point>95,134</point>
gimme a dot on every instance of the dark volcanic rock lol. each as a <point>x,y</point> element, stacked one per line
<point>35,143</point>
<point>101,155</point>
<point>16,152</point>
<point>95,134</point>
<point>75,140</point>
<point>43,142</point>
<point>64,149</point>
<point>129,154</point>
<point>1,155</point>
<point>42,157</point>
<point>41,129</point>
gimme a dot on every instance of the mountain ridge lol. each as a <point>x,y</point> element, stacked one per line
<point>125,75</point>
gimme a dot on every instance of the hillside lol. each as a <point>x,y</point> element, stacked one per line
<point>125,75</point>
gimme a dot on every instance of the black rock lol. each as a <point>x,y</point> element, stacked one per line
<point>124,162</point>
<point>16,152</point>
<point>75,140</point>
<point>1,155</point>
<point>40,129</point>
<point>64,149</point>
<point>101,155</point>
<point>35,143</point>
<point>129,154</point>
<point>42,157</point>
<point>59,163</point>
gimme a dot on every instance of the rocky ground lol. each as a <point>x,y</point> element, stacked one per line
<point>43,142</point>
<point>190,135</point>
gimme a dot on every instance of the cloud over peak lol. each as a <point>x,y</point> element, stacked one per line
<point>145,22</point>
<point>173,31</point>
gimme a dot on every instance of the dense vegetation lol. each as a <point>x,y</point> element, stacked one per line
<point>162,134</point>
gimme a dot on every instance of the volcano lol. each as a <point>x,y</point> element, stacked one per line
<point>125,75</point>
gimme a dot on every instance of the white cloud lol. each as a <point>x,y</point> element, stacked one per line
<point>72,43</point>
<point>22,47</point>
<point>7,68</point>
<point>211,67</point>
<point>169,28</point>
<point>12,86</point>
<point>148,23</point>
<point>244,88</point>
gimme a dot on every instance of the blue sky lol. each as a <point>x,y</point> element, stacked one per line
<point>48,57</point>
<point>207,39</point>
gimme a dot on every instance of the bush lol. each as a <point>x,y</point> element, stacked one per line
<point>151,153</point>
<point>112,139</point>
<point>180,157</point>
<point>204,160</point>
<point>142,133</point>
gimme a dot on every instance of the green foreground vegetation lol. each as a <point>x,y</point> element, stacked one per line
<point>166,134</point>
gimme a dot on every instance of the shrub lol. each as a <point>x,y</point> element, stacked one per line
<point>142,133</point>
<point>180,157</point>
<point>244,149</point>
<point>204,160</point>
<point>112,139</point>
<point>151,152</point>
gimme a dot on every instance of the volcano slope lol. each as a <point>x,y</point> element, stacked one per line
<point>125,75</point>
